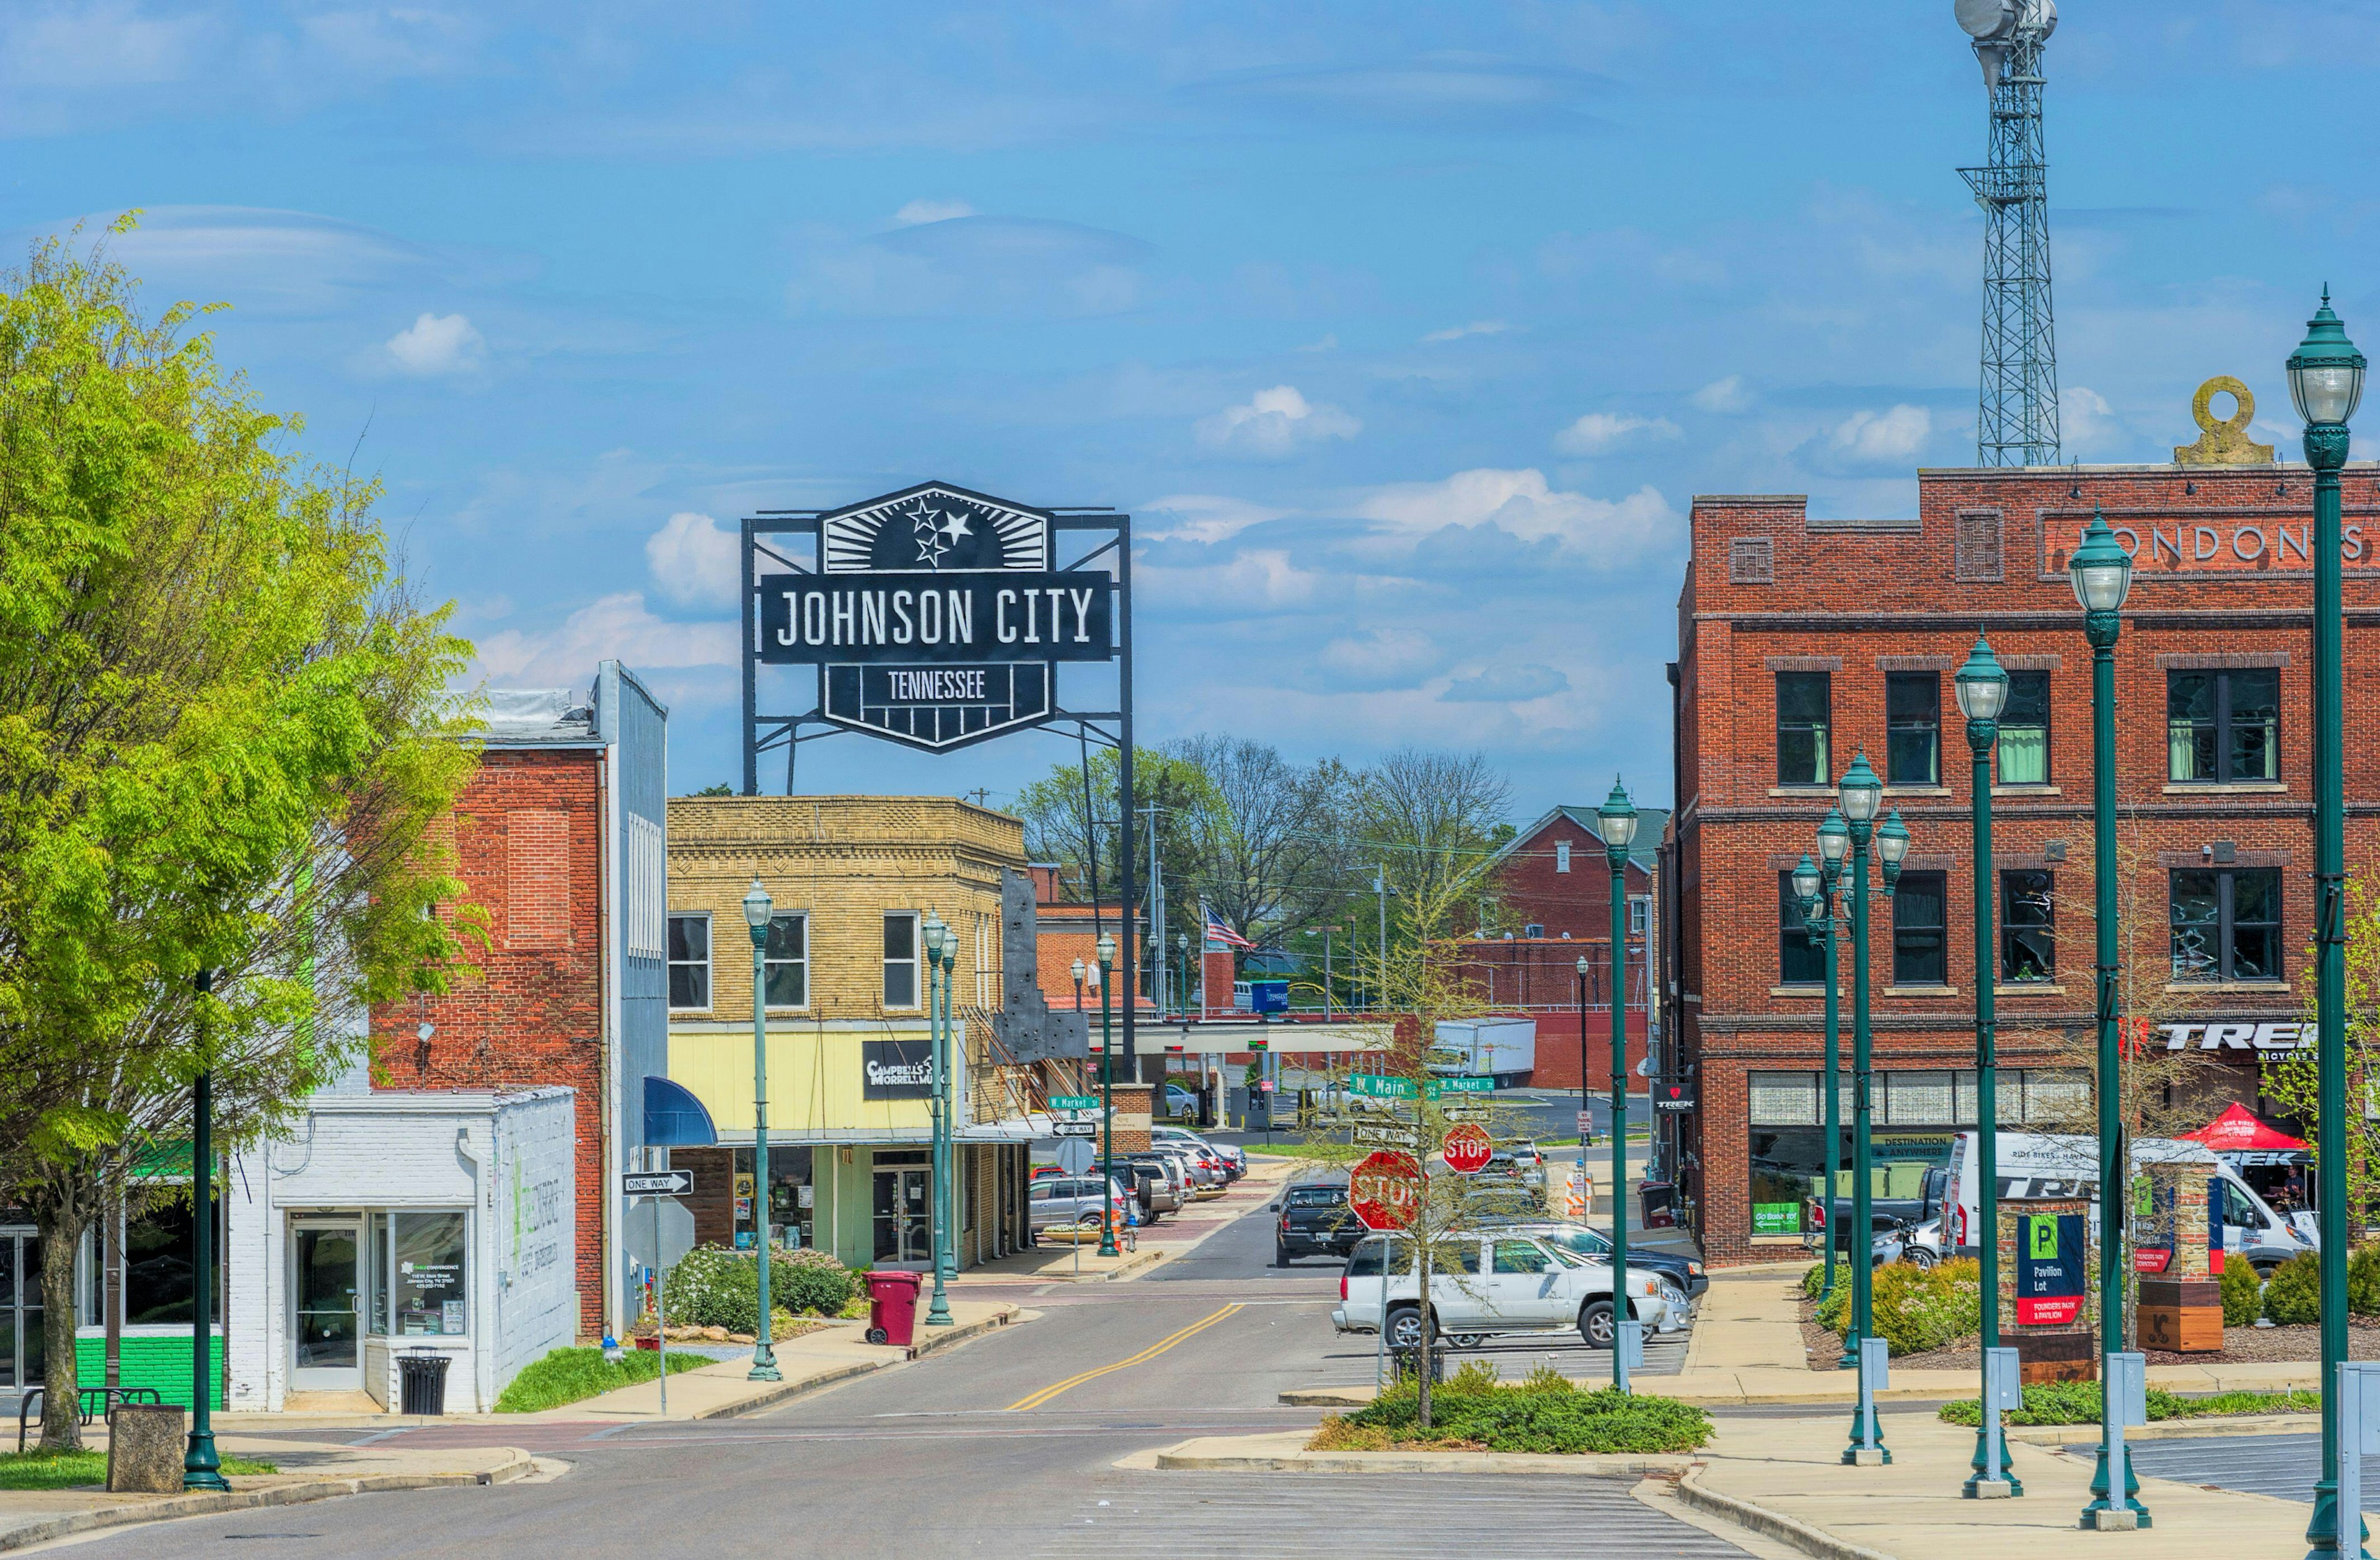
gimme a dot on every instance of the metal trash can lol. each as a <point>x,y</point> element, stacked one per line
<point>1659,1199</point>
<point>1406,1362</point>
<point>893,1307</point>
<point>421,1381</point>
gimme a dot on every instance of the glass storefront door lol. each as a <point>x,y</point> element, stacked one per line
<point>904,1228</point>
<point>326,1306</point>
<point>20,1309</point>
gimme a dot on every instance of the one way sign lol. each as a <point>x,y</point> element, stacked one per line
<point>657,1183</point>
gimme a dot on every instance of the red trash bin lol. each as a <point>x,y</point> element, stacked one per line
<point>893,1307</point>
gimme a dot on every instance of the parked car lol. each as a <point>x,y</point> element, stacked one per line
<point>1158,1183</point>
<point>1043,1172</point>
<point>1500,1282</point>
<point>1587,1241</point>
<point>1233,1160</point>
<point>1501,1201</point>
<point>1069,1200</point>
<point>1315,1220</point>
<point>1180,1101</point>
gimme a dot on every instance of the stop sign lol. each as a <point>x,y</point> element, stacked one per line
<point>1467,1148</point>
<point>1385,1191</point>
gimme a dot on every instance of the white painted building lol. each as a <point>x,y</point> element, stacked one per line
<point>402,1220</point>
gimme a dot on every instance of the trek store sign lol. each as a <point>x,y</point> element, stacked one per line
<point>2255,1036</point>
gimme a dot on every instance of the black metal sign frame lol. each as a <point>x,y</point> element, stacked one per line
<point>939,617</point>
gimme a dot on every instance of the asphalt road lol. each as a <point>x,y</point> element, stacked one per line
<point>1004,1445</point>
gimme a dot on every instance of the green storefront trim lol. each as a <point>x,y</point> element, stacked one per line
<point>158,1360</point>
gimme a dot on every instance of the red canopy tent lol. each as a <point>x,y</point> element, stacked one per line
<point>2239,1130</point>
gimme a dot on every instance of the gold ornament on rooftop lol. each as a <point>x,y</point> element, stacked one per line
<point>2223,442</point>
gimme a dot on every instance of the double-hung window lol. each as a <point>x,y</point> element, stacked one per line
<point>2025,730</point>
<point>1802,719</point>
<point>2227,924</point>
<point>2028,927</point>
<point>689,962</point>
<point>900,959</point>
<point>1912,728</point>
<point>1800,961</point>
<point>785,962</point>
<point>1562,855</point>
<point>1918,942</point>
<point>2222,727</point>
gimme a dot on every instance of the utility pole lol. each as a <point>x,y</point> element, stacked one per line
<point>1381,887</point>
<point>1157,909</point>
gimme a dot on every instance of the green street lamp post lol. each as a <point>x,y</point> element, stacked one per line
<point>942,954</point>
<point>1618,818</point>
<point>1982,688</point>
<point>2326,380</point>
<point>2102,574</point>
<point>1834,844</point>
<point>202,1469</point>
<point>1107,1086</point>
<point>1814,889</point>
<point>1859,795</point>
<point>757,906</point>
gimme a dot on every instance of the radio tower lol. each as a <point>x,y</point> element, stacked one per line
<point>2016,414</point>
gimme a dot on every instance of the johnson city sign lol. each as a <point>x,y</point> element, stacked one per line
<point>938,616</point>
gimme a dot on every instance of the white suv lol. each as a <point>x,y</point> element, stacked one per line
<point>1494,1282</point>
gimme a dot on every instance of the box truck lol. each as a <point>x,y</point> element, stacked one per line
<point>1503,1049</point>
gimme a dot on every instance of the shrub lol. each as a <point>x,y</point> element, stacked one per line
<point>712,1287</point>
<point>1917,1309</point>
<point>2077,1403</point>
<point>2293,1295</point>
<point>566,1375</point>
<point>2243,1292</point>
<point>2364,1280</point>
<point>1545,1413</point>
<point>1814,1281</point>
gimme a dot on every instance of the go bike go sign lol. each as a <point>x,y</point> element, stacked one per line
<point>1385,1191</point>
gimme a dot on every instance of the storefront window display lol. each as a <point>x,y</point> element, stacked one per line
<point>420,1273</point>
<point>158,1244</point>
<point>792,1197</point>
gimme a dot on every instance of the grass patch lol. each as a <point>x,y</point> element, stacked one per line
<point>1473,1411</point>
<point>2077,1403</point>
<point>567,1375</point>
<point>1328,1153</point>
<point>38,1469</point>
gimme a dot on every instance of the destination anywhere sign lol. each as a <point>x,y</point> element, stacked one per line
<point>937,616</point>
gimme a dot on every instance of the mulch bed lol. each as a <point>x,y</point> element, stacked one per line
<point>2240,1345</point>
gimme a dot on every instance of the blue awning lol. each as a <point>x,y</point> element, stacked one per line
<point>675,1118</point>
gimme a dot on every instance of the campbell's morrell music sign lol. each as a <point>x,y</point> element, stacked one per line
<point>938,616</point>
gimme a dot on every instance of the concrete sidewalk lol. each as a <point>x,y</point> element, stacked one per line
<point>1055,1259</point>
<point>1784,1478</point>
<point>308,1472</point>
<point>807,1363</point>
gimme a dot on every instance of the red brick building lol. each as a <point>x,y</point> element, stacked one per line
<point>1552,907</point>
<point>1801,639</point>
<point>560,842</point>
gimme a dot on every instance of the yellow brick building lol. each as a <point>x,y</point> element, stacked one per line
<point>845,981</point>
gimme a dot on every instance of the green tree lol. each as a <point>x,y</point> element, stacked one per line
<point>1432,822</point>
<point>225,733</point>
<point>2292,1078</point>
<point>1268,839</point>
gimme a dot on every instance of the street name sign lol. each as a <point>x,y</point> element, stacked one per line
<point>1463,1113</point>
<point>1385,1191</point>
<point>1073,1101</point>
<point>657,1183</point>
<point>1075,1128</point>
<point>1463,1086</point>
<point>1381,1087</point>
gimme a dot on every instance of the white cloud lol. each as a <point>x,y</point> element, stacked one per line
<point>437,344</point>
<point>617,627</point>
<point>1507,684</point>
<point>916,211</point>
<point>1275,422</point>
<point>1723,395</point>
<point>1894,436</point>
<point>1201,517</point>
<point>1600,431</point>
<point>2085,417</point>
<point>1380,658</point>
<point>1522,504</point>
<point>1477,327</point>
<point>693,560</point>
<point>1257,580</point>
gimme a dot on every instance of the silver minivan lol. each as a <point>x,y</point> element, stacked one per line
<point>1058,1200</point>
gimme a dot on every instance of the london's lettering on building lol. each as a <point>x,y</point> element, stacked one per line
<point>2163,548</point>
<point>938,616</point>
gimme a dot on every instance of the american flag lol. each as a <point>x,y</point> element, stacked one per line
<point>1218,932</point>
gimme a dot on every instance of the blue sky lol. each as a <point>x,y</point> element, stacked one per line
<point>1408,332</point>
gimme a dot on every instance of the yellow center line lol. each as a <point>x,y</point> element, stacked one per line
<point>1036,1400</point>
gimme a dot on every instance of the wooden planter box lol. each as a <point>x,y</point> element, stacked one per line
<point>2056,1357</point>
<point>2183,1315</point>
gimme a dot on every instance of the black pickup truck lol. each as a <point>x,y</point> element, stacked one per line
<point>1315,1222</point>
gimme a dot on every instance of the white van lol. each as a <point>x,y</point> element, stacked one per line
<point>2046,1164</point>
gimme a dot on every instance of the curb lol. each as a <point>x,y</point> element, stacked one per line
<point>1770,1524</point>
<point>786,1391</point>
<point>1582,1466</point>
<point>2168,1430</point>
<point>206,1505</point>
